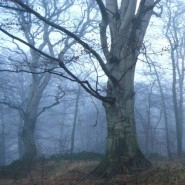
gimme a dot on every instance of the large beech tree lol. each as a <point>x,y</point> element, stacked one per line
<point>125,26</point>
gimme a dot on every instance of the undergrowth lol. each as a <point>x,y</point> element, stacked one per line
<point>73,169</point>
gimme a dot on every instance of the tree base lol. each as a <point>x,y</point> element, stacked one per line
<point>109,168</point>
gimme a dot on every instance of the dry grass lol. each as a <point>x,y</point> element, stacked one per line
<point>64,172</point>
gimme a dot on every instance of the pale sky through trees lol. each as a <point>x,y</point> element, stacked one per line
<point>118,57</point>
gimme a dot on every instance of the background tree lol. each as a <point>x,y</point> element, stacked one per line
<point>149,117</point>
<point>164,108</point>
<point>175,36</point>
<point>35,32</point>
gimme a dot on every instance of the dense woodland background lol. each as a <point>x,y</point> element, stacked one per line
<point>66,118</point>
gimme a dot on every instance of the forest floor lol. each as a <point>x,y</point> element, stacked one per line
<point>56,171</point>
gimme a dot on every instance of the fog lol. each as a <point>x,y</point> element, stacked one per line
<point>55,61</point>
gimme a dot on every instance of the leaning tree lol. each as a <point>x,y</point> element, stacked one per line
<point>122,29</point>
<point>38,34</point>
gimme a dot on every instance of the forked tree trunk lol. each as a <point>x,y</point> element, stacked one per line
<point>127,27</point>
<point>29,123</point>
<point>31,114</point>
<point>127,31</point>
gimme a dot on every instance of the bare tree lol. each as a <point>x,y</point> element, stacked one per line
<point>176,37</point>
<point>164,108</point>
<point>148,116</point>
<point>127,27</point>
<point>32,30</point>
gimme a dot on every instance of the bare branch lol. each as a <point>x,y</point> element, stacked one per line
<point>151,6</point>
<point>102,10</point>
<point>89,89</point>
<point>158,14</point>
<point>12,8</point>
<point>72,35</point>
<point>85,84</point>
<point>29,45</point>
<point>156,2</point>
<point>12,106</point>
<point>57,101</point>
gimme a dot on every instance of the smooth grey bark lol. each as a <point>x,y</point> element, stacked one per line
<point>31,113</point>
<point>123,151</point>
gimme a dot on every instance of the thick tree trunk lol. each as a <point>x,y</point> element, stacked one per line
<point>29,122</point>
<point>127,31</point>
<point>29,144</point>
<point>30,116</point>
<point>123,152</point>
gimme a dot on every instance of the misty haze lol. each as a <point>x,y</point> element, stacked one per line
<point>92,92</point>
